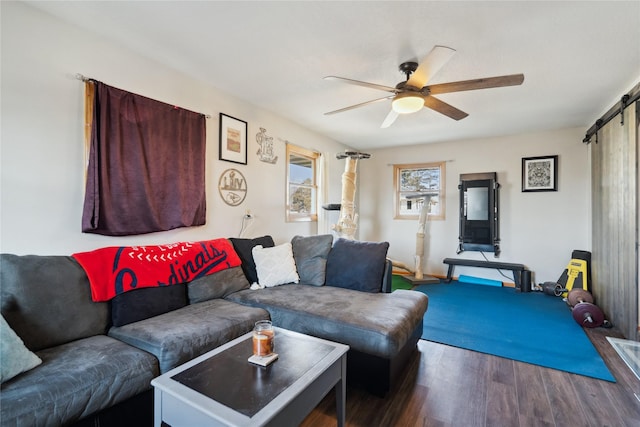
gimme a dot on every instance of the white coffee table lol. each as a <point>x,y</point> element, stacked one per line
<point>221,388</point>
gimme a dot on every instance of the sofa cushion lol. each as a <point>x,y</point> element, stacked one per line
<point>140,304</point>
<point>75,380</point>
<point>356,265</point>
<point>310,254</point>
<point>244,247</point>
<point>275,266</point>
<point>180,335</point>
<point>378,324</point>
<point>30,283</point>
<point>217,285</point>
<point>15,357</point>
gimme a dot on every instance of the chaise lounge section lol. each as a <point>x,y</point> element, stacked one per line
<point>381,329</point>
<point>344,295</point>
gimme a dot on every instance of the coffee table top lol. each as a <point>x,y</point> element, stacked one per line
<point>224,385</point>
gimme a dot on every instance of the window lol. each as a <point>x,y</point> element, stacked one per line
<point>302,188</point>
<point>416,185</point>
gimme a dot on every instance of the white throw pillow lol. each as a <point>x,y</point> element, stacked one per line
<point>276,265</point>
<point>16,358</point>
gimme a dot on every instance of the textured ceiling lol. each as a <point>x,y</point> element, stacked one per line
<point>578,58</point>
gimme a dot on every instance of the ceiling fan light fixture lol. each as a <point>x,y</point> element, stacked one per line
<point>405,103</point>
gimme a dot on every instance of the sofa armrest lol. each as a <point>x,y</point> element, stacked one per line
<point>387,277</point>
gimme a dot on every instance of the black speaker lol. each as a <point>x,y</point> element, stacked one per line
<point>525,281</point>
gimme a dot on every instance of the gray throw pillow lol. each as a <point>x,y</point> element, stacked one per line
<point>357,265</point>
<point>217,285</point>
<point>16,358</point>
<point>310,254</point>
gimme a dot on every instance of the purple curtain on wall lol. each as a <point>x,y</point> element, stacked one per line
<point>146,166</point>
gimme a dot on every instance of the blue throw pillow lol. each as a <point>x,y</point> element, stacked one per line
<point>356,265</point>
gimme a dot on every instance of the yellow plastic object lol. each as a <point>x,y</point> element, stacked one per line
<point>574,275</point>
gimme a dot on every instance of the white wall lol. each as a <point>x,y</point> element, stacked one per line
<point>42,139</point>
<point>537,229</point>
<point>42,161</point>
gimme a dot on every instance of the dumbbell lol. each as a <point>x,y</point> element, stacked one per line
<point>584,311</point>
<point>552,288</point>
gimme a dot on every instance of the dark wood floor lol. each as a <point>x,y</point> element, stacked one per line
<point>447,386</point>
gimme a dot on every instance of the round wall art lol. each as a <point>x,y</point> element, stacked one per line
<point>232,187</point>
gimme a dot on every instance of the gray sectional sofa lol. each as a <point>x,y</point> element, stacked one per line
<point>98,361</point>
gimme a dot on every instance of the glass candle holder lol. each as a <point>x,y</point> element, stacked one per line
<point>263,335</point>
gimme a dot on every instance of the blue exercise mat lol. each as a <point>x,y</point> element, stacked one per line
<point>529,327</point>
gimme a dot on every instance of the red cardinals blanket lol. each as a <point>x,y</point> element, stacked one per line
<point>115,270</point>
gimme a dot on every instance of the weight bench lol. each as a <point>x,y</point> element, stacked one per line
<point>518,269</point>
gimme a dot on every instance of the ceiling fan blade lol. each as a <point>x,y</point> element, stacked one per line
<point>430,65</point>
<point>362,104</point>
<point>388,121</point>
<point>444,108</point>
<point>486,83</point>
<point>364,84</point>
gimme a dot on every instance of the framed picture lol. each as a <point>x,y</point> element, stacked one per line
<point>233,139</point>
<point>540,173</point>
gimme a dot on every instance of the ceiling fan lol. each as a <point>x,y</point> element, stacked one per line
<point>411,95</point>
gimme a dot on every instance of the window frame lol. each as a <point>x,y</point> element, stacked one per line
<point>397,171</point>
<point>313,156</point>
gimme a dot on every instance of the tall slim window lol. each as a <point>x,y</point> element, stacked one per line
<point>416,185</point>
<point>302,187</point>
